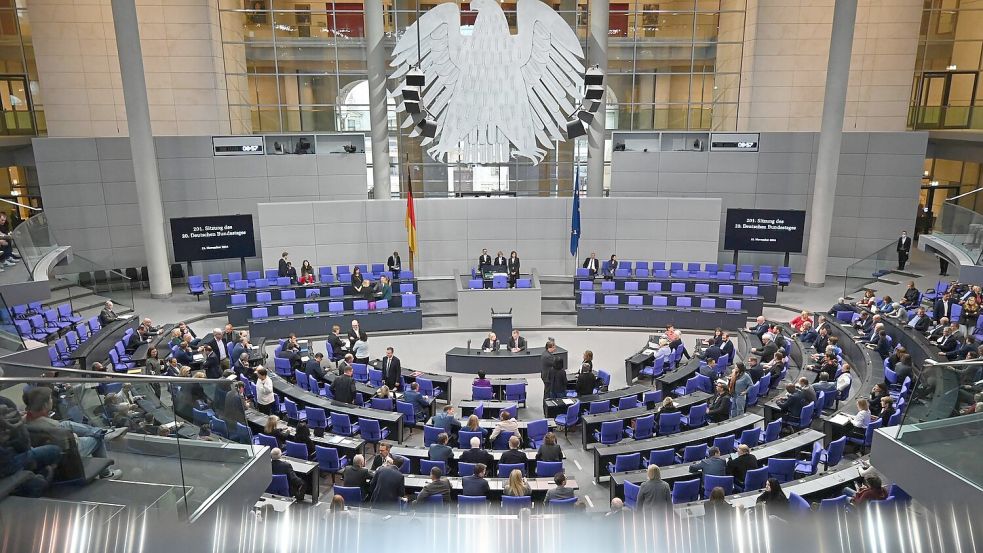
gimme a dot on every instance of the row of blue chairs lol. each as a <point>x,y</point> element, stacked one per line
<point>35,322</point>
<point>674,287</point>
<point>682,302</point>
<point>729,271</point>
<point>513,392</point>
<point>291,294</point>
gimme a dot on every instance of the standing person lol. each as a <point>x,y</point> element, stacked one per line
<point>394,265</point>
<point>904,247</point>
<point>484,261</point>
<point>343,387</point>
<point>356,334</point>
<point>391,369</point>
<point>558,379</point>
<point>654,493</point>
<point>358,282</point>
<point>264,391</point>
<point>282,267</point>
<point>739,383</point>
<point>513,268</point>
<point>547,365</point>
<point>499,260</point>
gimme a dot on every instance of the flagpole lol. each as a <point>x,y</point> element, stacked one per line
<point>409,185</point>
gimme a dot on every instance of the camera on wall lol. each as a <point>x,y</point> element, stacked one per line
<point>350,148</point>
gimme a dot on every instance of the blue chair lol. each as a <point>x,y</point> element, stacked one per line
<point>570,418</point>
<point>625,463</point>
<point>263,439</point>
<point>328,460</point>
<point>502,441</point>
<point>693,453</point>
<point>472,500</point>
<point>479,393</point>
<point>196,286</point>
<point>804,420</point>
<point>684,491</point>
<point>725,444</point>
<point>351,495</point>
<point>865,442</point>
<point>426,465</point>
<point>644,428</point>
<point>341,424</point>
<point>749,437</point>
<point>808,468</point>
<point>316,418</point>
<point>465,469</point>
<point>548,469</point>
<point>515,503</point>
<point>371,432</point>
<point>562,504</point>
<point>661,457</point>
<point>360,372</point>
<point>279,486</point>
<point>669,423</point>
<point>782,469</point>
<point>755,479</point>
<point>631,494</point>
<point>516,392</point>
<point>836,504</point>
<point>610,433</point>
<point>773,430</point>
<point>710,482</point>
<point>409,414</point>
<point>296,450</point>
<point>536,430</point>
<point>430,434</point>
<point>505,469</point>
<point>697,416</point>
<point>464,437</point>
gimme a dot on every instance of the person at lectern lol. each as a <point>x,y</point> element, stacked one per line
<point>592,264</point>
<point>394,264</point>
<point>513,268</point>
<point>484,260</point>
<point>517,343</point>
<point>612,267</point>
<point>491,343</point>
<point>499,260</point>
<point>282,268</point>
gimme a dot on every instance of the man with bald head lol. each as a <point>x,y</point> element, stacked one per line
<point>739,466</point>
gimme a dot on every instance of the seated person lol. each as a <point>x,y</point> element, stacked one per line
<point>18,454</point>
<point>438,485</point>
<point>800,319</point>
<point>517,343</point>
<point>713,465</point>
<point>807,334</point>
<point>792,402</point>
<point>44,430</point>
<point>448,422</point>
<point>920,320</point>
<point>561,491</point>
<point>823,384</point>
<point>911,296</point>
<point>383,289</point>
<point>611,268</point>
<point>420,403</point>
<point>476,485</point>
<point>491,343</point>
<point>481,381</point>
<point>760,326</point>
<point>440,451</point>
<point>550,451</point>
<point>279,466</point>
<point>592,264</point>
<point>842,305</point>
<point>505,424</point>
<point>513,456</point>
<point>476,454</point>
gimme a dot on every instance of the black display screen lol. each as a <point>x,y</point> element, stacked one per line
<point>766,230</point>
<point>217,237</point>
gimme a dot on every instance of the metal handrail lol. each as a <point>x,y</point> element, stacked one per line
<point>964,195</point>
<point>32,208</point>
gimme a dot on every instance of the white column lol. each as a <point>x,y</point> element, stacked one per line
<point>142,147</point>
<point>378,123</point>
<point>830,137</point>
<point>597,45</point>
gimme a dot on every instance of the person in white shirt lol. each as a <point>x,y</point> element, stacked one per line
<point>264,391</point>
<point>845,379</point>
<point>860,421</point>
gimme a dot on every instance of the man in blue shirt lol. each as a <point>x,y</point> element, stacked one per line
<point>448,422</point>
<point>440,451</point>
<point>421,407</point>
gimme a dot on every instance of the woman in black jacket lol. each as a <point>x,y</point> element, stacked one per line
<point>558,380</point>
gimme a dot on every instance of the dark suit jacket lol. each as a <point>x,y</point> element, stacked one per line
<point>712,352</point>
<point>513,457</point>
<point>472,485</point>
<point>738,467</point>
<point>922,324</point>
<point>521,345</point>
<point>767,352</point>
<point>942,309</point>
<point>393,263</point>
<point>484,260</point>
<point>719,408</point>
<point>184,357</point>
<point>839,307</point>
<point>546,367</point>
<point>356,478</point>
<point>243,369</point>
<point>794,403</point>
<point>593,265</point>
<point>134,342</point>
<point>714,466</point>
<point>235,407</point>
<point>106,316</point>
<point>488,344</point>
<point>513,266</point>
<point>477,456</point>
<point>439,452</point>
<point>343,389</point>
<point>760,329</point>
<point>388,486</point>
<point>352,337</point>
<point>315,369</point>
<point>392,372</point>
<point>727,348</point>
<point>212,367</point>
<point>282,268</point>
<point>499,261</point>
<point>237,350</point>
<point>441,486</point>
<point>949,344</point>
<point>904,244</point>
<point>336,346</point>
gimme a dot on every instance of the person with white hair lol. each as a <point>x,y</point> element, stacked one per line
<point>279,466</point>
<point>356,475</point>
<point>476,454</point>
<point>107,315</point>
<point>760,326</point>
<point>768,348</point>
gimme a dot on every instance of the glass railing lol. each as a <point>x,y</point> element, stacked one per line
<point>962,228</point>
<point>940,419</point>
<point>33,240</point>
<point>106,284</point>
<point>10,339</point>
<point>869,269</point>
<point>945,117</point>
<point>179,433</point>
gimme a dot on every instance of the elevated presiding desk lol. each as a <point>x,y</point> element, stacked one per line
<point>604,454</point>
<point>470,361</point>
<point>475,303</point>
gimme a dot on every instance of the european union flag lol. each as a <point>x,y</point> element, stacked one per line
<point>575,217</point>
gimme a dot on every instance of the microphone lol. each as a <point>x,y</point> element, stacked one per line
<point>469,347</point>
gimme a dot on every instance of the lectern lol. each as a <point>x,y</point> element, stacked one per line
<point>502,325</point>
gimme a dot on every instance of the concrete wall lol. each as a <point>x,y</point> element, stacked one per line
<point>452,232</point>
<point>876,196</point>
<point>90,196</point>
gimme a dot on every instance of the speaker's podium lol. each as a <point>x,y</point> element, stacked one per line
<point>522,307</point>
<point>502,325</point>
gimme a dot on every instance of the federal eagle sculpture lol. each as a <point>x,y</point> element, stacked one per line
<point>493,95</point>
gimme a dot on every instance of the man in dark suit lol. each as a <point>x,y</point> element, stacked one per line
<point>239,347</point>
<point>727,347</point>
<point>219,347</point>
<point>920,320</point>
<point>356,475</point>
<point>760,326</point>
<point>517,343</point>
<point>184,355</point>
<point>904,246</point>
<point>356,333</point>
<point>280,466</point>
<point>491,343</point>
<point>740,465</point>
<point>713,465</point>
<point>388,484</point>
<point>440,451</point>
<point>963,350</point>
<point>767,349</point>
<point>230,335</point>
<point>911,296</point>
<point>394,264</point>
<point>107,315</point>
<point>592,264</point>
<point>499,260</point>
<point>513,456</point>
<point>391,369</point>
<point>476,454</point>
<point>235,405</point>
<point>476,485</point>
<point>711,352</point>
<point>211,364</point>
<point>719,404</point>
<point>314,367</point>
<point>484,261</point>
<point>337,344</point>
<point>548,358</point>
<point>136,338</point>
<point>755,369</point>
<point>943,307</point>
<point>793,402</point>
<point>840,305</point>
<point>242,366</point>
<point>343,387</point>
<point>282,267</point>
<point>421,406</point>
<point>438,485</point>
